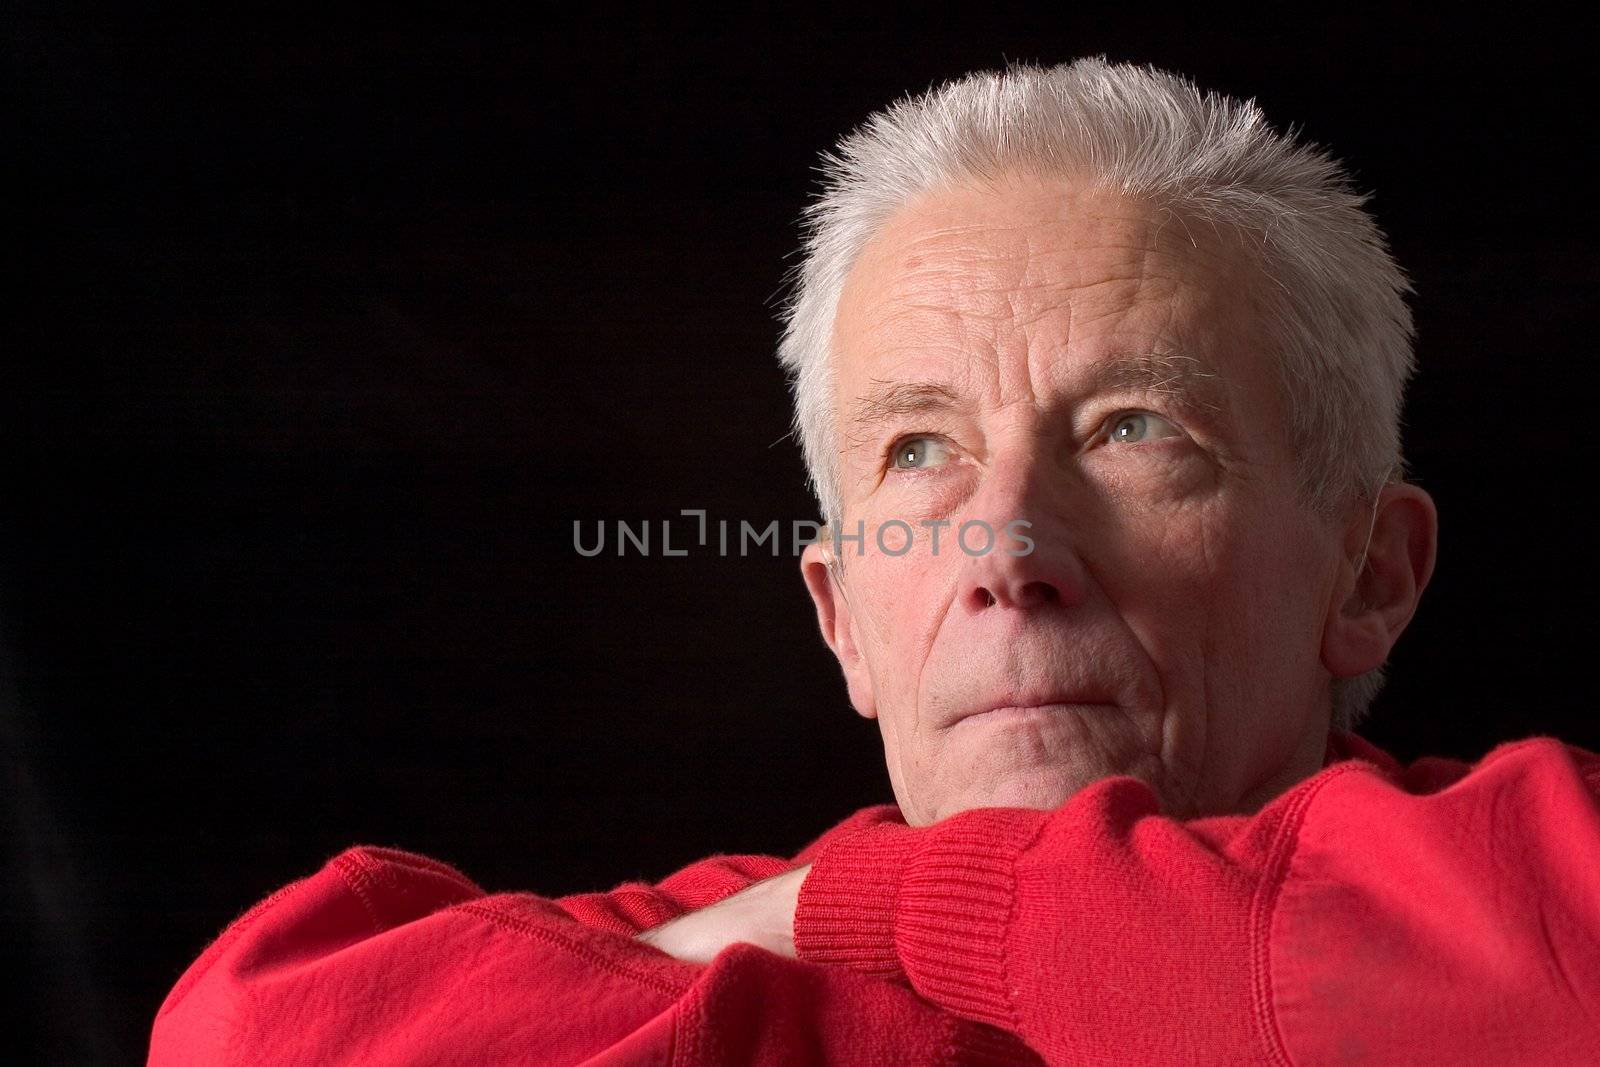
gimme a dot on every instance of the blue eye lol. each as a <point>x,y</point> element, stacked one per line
<point>1138,426</point>
<point>918,453</point>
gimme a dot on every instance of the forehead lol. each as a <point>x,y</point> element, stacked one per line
<point>1027,283</point>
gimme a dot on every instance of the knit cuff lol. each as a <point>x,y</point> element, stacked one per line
<point>846,910</point>
<point>954,907</point>
<point>932,904</point>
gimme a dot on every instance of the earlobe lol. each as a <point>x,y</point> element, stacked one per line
<point>838,626</point>
<point>1373,605</point>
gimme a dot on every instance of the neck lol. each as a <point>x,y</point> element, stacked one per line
<point>1309,757</point>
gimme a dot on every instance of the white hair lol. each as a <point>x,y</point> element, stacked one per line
<point>1333,302</point>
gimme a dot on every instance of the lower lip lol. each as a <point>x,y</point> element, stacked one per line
<point>1032,711</point>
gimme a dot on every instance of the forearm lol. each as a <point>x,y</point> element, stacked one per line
<point>1021,919</point>
<point>384,958</point>
<point>1347,914</point>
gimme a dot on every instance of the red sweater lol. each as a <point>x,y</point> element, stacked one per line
<point>1372,913</point>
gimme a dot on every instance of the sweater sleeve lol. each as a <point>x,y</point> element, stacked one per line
<point>386,957</point>
<point>637,906</point>
<point>1353,918</point>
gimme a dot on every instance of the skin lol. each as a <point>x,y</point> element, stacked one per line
<point>1181,614</point>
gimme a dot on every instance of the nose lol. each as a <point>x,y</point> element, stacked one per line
<point>1050,576</point>
<point>1034,565</point>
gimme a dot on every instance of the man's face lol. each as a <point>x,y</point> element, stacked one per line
<point>1054,353</point>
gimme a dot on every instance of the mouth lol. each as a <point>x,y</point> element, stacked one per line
<point>1025,710</point>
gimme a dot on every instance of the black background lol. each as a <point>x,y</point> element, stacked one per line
<point>326,334</point>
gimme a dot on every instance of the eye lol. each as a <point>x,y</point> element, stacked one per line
<point>1136,426</point>
<point>918,453</point>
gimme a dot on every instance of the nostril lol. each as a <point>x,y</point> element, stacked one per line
<point>1040,593</point>
<point>1028,595</point>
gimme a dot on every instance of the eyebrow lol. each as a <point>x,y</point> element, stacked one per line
<point>888,401</point>
<point>1180,379</point>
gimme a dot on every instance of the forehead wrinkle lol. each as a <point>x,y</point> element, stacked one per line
<point>968,268</point>
<point>947,289</point>
<point>976,281</point>
<point>921,316</point>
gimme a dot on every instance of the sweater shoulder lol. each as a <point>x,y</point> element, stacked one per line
<point>1430,774</point>
<point>388,956</point>
<point>1423,908</point>
<point>364,890</point>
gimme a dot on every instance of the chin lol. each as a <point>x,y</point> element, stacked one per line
<point>1038,787</point>
<point>1042,789</point>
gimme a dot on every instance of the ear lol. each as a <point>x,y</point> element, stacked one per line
<point>838,627</point>
<point>1369,610</point>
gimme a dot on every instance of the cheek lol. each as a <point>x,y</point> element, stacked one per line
<point>895,599</point>
<point>904,603</point>
<point>1244,597</point>
<point>1179,587</point>
<point>1283,590</point>
<point>1165,562</point>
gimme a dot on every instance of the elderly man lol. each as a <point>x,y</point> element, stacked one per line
<point>1166,344</point>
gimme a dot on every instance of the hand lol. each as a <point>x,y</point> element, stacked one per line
<point>760,915</point>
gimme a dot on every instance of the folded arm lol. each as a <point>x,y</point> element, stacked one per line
<point>386,957</point>
<point>1349,918</point>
